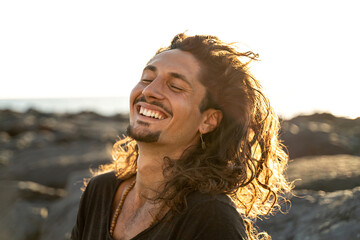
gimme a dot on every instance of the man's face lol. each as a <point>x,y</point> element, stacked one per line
<point>164,105</point>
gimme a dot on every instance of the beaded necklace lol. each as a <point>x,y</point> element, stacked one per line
<point>119,207</point>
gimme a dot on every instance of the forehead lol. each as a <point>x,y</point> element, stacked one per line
<point>177,61</point>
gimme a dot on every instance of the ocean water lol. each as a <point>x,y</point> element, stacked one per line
<point>109,106</point>
<point>106,106</point>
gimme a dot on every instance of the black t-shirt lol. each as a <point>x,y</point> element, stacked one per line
<point>206,217</point>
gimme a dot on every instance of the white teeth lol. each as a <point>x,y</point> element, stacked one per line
<point>150,113</point>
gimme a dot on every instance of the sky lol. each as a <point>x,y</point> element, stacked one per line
<point>309,50</point>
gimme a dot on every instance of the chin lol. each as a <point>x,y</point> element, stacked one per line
<point>143,136</point>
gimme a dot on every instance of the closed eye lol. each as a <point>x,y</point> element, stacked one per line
<point>147,81</point>
<point>176,87</point>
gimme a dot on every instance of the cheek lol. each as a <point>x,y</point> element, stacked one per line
<point>135,92</point>
<point>189,114</point>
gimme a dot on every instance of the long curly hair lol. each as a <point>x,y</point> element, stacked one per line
<point>244,157</point>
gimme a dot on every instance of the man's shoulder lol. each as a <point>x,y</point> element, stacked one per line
<point>105,177</point>
<point>104,180</point>
<point>212,217</point>
<point>219,205</point>
<point>198,198</point>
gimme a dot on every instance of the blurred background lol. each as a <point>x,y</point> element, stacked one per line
<point>67,69</point>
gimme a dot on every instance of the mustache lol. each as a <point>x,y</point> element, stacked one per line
<point>159,104</point>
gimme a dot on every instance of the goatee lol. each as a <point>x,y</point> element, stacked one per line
<point>147,137</point>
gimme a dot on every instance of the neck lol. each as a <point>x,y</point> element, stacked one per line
<point>150,164</point>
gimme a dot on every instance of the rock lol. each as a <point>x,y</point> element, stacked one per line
<point>46,148</point>
<point>23,208</point>
<point>31,139</point>
<point>5,157</point>
<point>14,123</point>
<point>318,215</point>
<point>40,153</point>
<point>321,134</point>
<point>327,173</point>
<point>64,127</point>
<point>51,166</point>
<point>23,221</point>
<point>62,214</point>
<point>29,191</point>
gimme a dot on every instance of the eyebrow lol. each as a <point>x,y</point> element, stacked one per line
<point>151,68</point>
<point>173,74</point>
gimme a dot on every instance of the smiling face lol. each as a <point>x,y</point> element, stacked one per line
<point>164,105</point>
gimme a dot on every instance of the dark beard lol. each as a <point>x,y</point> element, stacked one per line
<point>147,137</point>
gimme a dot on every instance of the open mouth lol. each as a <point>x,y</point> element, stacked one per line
<point>151,113</point>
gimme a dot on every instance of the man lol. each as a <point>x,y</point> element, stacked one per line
<point>202,152</point>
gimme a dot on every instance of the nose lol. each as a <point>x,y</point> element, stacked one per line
<point>154,90</point>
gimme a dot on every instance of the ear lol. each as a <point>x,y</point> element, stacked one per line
<point>211,119</point>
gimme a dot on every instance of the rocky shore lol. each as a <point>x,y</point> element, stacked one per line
<point>45,157</point>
